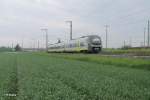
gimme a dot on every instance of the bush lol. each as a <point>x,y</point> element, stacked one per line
<point>17,47</point>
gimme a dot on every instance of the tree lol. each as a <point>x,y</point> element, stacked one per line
<point>59,40</point>
<point>17,47</point>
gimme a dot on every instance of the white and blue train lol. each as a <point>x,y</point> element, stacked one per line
<point>90,43</point>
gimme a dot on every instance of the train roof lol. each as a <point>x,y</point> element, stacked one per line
<point>89,36</point>
<point>77,38</point>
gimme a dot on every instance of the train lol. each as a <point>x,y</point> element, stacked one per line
<point>87,44</point>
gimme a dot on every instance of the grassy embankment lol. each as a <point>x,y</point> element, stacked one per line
<point>107,60</point>
<point>134,51</point>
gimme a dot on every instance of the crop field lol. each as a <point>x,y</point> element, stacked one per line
<point>133,51</point>
<point>41,76</point>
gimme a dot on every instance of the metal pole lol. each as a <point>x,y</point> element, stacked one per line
<point>148,34</point>
<point>144,36</point>
<point>46,38</point>
<point>106,35</point>
<point>12,46</point>
<point>131,42</point>
<point>70,29</point>
<point>124,43</point>
<point>22,44</point>
<point>38,44</point>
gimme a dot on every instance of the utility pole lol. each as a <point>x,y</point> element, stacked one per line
<point>46,37</point>
<point>144,36</point>
<point>12,46</point>
<point>148,35</point>
<point>33,44</point>
<point>141,44</point>
<point>124,43</point>
<point>106,26</point>
<point>22,44</point>
<point>70,29</point>
<point>130,42</point>
<point>38,44</point>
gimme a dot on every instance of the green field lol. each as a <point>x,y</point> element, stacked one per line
<point>40,76</point>
<point>130,51</point>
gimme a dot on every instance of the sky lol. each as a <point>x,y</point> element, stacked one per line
<point>21,21</point>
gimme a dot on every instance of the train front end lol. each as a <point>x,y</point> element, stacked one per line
<point>94,44</point>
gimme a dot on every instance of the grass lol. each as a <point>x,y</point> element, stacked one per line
<point>7,75</point>
<point>5,49</point>
<point>107,60</point>
<point>52,77</point>
<point>133,51</point>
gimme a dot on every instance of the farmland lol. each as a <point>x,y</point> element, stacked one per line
<point>41,76</point>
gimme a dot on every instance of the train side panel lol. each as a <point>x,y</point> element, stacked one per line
<point>84,44</point>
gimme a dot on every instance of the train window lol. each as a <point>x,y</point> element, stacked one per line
<point>70,45</point>
<point>63,46</point>
<point>73,45</point>
<point>82,44</point>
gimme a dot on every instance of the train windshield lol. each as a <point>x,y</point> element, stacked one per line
<point>95,40</point>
